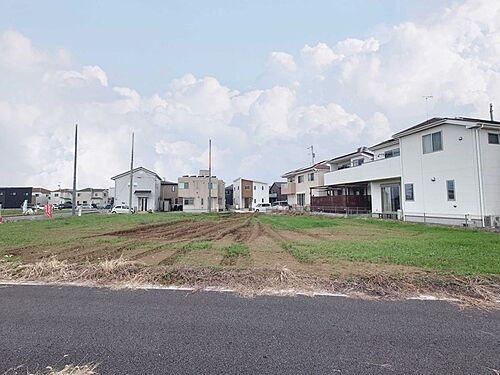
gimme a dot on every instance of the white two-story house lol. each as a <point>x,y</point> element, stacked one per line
<point>146,189</point>
<point>247,194</point>
<point>443,170</point>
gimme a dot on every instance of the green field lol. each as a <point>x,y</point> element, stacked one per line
<point>303,242</point>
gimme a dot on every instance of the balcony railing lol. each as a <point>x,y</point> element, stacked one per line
<point>289,188</point>
<point>368,171</point>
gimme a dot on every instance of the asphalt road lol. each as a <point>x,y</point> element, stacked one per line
<point>177,332</point>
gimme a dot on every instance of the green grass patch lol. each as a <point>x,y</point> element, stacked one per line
<point>440,249</point>
<point>235,250</point>
<point>298,222</point>
<point>197,246</point>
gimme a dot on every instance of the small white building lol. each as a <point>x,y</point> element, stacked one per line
<point>248,193</point>
<point>146,189</point>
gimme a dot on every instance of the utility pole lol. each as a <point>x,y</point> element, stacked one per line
<point>491,112</point>
<point>73,206</point>
<point>209,175</point>
<point>427,97</point>
<point>313,155</point>
<point>131,175</point>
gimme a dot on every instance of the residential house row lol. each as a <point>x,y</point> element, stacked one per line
<point>443,170</point>
<point>14,197</point>
<point>190,193</point>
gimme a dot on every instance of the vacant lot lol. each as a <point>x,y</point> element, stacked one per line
<point>217,248</point>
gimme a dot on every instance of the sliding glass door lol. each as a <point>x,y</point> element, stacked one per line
<point>391,201</point>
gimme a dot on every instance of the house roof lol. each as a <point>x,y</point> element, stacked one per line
<point>41,190</point>
<point>383,144</point>
<point>136,170</point>
<point>247,179</point>
<point>359,151</point>
<point>435,121</point>
<point>169,183</point>
<point>320,165</point>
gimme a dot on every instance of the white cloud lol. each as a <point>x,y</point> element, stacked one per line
<point>352,93</point>
<point>281,61</point>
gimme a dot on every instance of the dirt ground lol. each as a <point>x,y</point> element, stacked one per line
<point>233,251</point>
<point>169,244</point>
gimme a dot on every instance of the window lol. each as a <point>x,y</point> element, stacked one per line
<point>300,179</point>
<point>310,176</point>
<point>262,200</point>
<point>255,187</point>
<point>188,201</point>
<point>357,162</point>
<point>432,142</point>
<point>450,188</point>
<point>77,194</point>
<point>202,201</point>
<point>493,139</point>
<point>37,195</point>
<point>391,153</point>
<point>255,201</point>
<point>173,188</point>
<point>301,199</point>
<point>409,196</point>
<point>56,195</point>
<point>291,179</point>
<point>13,193</point>
<point>262,187</point>
<point>185,185</point>
<point>247,187</point>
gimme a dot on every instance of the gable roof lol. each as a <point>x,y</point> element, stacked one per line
<point>320,165</point>
<point>169,183</point>
<point>384,144</point>
<point>134,171</point>
<point>435,121</point>
<point>359,151</point>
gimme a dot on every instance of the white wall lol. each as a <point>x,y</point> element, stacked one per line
<point>457,161</point>
<point>260,193</point>
<point>370,171</point>
<point>491,173</point>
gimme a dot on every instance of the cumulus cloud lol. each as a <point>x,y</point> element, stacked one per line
<point>337,97</point>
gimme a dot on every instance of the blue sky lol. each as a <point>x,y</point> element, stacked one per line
<point>145,44</point>
<point>263,79</point>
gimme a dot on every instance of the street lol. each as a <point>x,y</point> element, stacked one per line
<point>180,332</point>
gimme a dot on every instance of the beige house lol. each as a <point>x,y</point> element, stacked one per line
<point>193,193</point>
<point>300,181</point>
<point>91,196</point>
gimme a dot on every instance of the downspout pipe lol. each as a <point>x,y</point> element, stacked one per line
<point>477,140</point>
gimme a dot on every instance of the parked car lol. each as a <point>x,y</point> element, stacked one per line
<point>262,207</point>
<point>108,207</point>
<point>121,209</point>
<point>64,205</point>
<point>84,207</point>
<point>281,205</point>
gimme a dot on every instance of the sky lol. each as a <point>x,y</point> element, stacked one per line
<point>263,79</point>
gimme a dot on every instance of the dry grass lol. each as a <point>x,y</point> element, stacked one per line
<point>119,273</point>
<point>88,369</point>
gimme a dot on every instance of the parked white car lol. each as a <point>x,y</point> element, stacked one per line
<point>281,206</point>
<point>263,207</point>
<point>85,207</point>
<point>122,209</point>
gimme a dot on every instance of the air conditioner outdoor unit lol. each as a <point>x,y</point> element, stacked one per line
<point>492,221</point>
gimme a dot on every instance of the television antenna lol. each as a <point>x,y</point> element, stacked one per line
<point>427,97</point>
<point>313,155</point>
